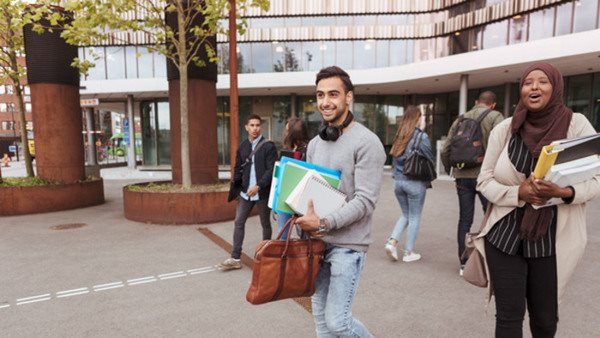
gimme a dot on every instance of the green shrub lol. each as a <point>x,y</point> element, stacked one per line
<point>24,182</point>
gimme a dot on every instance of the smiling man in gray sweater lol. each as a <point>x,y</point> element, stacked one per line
<point>345,145</point>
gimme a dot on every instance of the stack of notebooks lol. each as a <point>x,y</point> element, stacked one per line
<point>568,162</point>
<point>294,182</point>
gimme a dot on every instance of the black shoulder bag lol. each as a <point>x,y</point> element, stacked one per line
<point>236,187</point>
<point>417,166</point>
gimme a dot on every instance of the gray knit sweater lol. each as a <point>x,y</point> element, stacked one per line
<point>359,154</point>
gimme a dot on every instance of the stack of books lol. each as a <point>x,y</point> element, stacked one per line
<point>569,161</point>
<point>294,182</point>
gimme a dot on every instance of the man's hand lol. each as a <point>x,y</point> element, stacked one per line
<point>310,221</point>
<point>253,191</point>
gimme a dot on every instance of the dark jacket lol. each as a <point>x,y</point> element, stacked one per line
<point>264,161</point>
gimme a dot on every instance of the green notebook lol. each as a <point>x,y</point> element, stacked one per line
<point>292,175</point>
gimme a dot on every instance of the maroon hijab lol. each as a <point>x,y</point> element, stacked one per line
<point>538,129</point>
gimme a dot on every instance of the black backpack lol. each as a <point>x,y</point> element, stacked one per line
<point>466,146</point>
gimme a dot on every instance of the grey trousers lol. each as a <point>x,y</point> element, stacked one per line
<point>242,212</point>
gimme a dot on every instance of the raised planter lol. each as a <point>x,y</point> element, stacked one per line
<point>177,207</point>
<point>48,198</point>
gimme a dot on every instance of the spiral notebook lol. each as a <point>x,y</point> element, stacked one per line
<point>326,198</point>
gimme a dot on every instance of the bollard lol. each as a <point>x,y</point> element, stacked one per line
<point>5,160</point>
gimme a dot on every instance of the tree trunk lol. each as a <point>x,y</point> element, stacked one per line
<point>186,176</point>
<point>16,83</point>
<point>23,122</point>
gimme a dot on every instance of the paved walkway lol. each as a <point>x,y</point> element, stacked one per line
<point>105,276</point>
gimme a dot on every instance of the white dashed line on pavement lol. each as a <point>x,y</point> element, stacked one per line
<point>70,293</point>
<point>107,286</point>
<point>172,275</point>
<point>33,299</point>
<point>142,280</point>
<point>201,270</point>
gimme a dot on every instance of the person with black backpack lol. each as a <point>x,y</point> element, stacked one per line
<point>462,156</point>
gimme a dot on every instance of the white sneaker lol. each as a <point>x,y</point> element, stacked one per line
<point>391,251</point>
<point>229,264</point>
<point>410,257</point>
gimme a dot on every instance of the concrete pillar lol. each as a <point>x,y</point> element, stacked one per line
<point>507,87</point>
<point>131,160</point>
<point>463,94</point>
<point>55,105</point>
<point>90,136</point>
<point>294,110</point>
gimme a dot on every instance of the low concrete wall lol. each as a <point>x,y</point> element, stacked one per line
<point>177,208</point>
<point>39,199</point>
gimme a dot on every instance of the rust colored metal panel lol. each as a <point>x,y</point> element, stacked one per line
<point>39,199</point>
<point>202,113</point>
<point>58,124</point>
<point>178,208</point>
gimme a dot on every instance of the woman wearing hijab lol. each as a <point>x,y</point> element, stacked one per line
<point>410,193</point>
<point>531,253</point>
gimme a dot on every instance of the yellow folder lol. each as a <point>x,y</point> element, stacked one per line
<point>546,160</point>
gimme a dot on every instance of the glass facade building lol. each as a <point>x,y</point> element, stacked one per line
<point>294,37</point>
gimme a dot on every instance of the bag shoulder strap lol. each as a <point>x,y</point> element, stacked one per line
<point>418,142</point>
<point>483,115</point>
<point>263,141</point>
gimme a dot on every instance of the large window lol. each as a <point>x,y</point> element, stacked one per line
<point>365,54</point>
<point>494,34</point>
<point>160,65</point>
<point>262,61</point>
<point>383,53</point>
<point>579,90</point>
<point>541,24</point>
<point>131,62</point>
<point>156,132</point>
<point>398,52</point>
<point>517,32</point>
<point>585,15</point>
<point>145,63</point>
<point>96,56</point>
<point>115,62</point>
<point>344,54</point>
<point>563,19</point>
<point>312,56</point>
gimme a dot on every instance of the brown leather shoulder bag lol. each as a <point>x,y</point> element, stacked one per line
<point>285,268</point>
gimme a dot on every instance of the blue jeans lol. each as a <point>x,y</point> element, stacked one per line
<point>336,286</point>
<point>411,196</point>
<point>281,220</point>
<point>465,188</point>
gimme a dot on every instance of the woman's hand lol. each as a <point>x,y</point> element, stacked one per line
<point>547,189</point>
<point>528,192</point>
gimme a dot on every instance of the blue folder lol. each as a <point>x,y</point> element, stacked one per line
<point>286,183</point>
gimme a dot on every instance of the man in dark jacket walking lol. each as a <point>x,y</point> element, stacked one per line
<point>254,162</point>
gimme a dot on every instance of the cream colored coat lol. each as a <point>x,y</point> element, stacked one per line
<point>499,182</point>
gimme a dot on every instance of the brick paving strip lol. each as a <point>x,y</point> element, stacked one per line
<point>248,261</point>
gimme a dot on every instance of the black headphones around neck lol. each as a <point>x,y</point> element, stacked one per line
<point>332,132</point>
